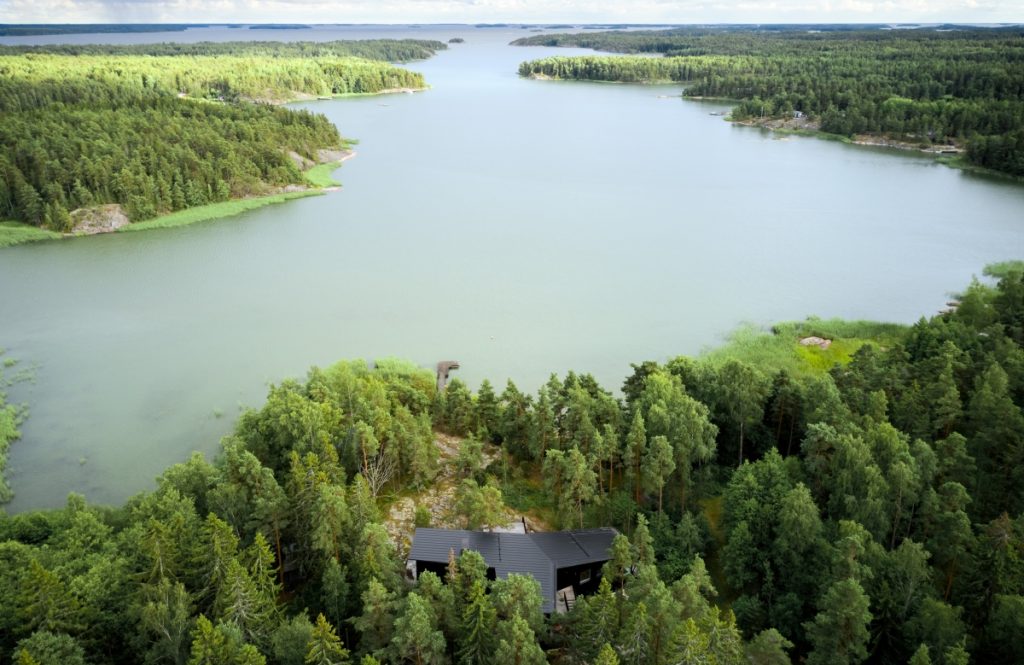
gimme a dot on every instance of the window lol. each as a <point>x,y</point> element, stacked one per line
<point>584,576</point>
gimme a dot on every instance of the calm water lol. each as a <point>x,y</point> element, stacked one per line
<point>520,227</point>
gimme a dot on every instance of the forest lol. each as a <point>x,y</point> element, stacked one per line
<point>925,86</point>
<point>776,503</point>
<point>161,128</point>
<point>387,50</point>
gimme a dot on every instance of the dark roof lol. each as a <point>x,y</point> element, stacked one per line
<point>539,554</point>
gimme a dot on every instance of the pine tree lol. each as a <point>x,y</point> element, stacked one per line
<point>416,637</point>
<point>487,409</point>
<point>544,432</point>
<point>839,633</point>
<point>209,645</point>
<point>635,637</point>
<point>517,644</point>
<point>658,465</point>
<point>324,647</point>
<point>46,603</point>
<point>376,624</point>
<point>921,656</point>
<point>636,448</point>
<point>607,656</point>
<point>478,623</point>
<point>643,544</point>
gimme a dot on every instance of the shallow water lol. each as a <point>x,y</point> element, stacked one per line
<point>521,227</point>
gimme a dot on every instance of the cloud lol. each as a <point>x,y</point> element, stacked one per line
<point>470,11</point>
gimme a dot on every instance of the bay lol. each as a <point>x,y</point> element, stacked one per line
<point>520,227</point>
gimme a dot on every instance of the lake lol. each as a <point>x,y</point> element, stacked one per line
<point>520,227</point>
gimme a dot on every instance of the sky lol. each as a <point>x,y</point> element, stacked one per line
<point>512,11</point>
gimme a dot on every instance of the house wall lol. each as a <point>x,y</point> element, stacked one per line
<point>571,577</point>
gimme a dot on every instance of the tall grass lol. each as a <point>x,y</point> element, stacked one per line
<point>780,348</point>
<point>15,233</point>
<point>214,211</point>
<point>10,416</point>
<point>320,175</point>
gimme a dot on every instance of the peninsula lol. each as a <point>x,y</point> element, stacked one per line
<point>944,89</point>
<point>97,137</point>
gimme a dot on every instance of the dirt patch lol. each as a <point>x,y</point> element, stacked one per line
<point>98,219</point>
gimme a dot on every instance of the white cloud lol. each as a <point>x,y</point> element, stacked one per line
<point>470,11</point>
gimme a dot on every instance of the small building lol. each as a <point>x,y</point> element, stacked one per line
<point>565,563</point>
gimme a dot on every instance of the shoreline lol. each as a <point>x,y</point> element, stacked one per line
<point>318,177</point>
<point>347,95</point>
<point>318,182</point>
<point>951,154</point>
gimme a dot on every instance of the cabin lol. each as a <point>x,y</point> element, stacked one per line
<point>565,563</point>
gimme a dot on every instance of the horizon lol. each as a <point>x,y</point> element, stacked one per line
<point>515,12</point>
<point>552,24</point>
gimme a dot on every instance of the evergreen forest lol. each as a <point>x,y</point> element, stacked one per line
<point>922,86</point>
<point>776,503</point>
<point>161,128</point>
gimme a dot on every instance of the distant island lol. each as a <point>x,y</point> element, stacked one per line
<point>280,26</point>
<point>949,90</point>
<point>100,138</point>
<point>30,29</point>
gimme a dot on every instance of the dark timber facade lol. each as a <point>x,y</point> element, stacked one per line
<point>565,563</point>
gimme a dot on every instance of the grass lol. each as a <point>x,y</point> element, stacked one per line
<point>16,233</point>
<point>527,496</point>
<point>214,211</point>
<point>320,175</point>
<point>10,418</point>
<point>780,347</point>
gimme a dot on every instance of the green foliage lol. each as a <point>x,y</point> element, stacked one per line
<point>10,418</point>
<point>46,648</point>
<point>422,517</point>
<point>480,507</point>
<point>477,636</point>
<point>1002,269</point>
<point>324,646</point>
<point>877,515</point>
<point>933,85</point>
<point>290,639</point>
<point>417,638</point>
<point>205,213</point>
<point>321,175</point>
<point>161,129</point>
<point>386,50</point>
<point>839,633</point>
<point>779,349</point>
<point>16,233</point>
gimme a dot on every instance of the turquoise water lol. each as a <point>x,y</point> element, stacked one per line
<point>520,227</point>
